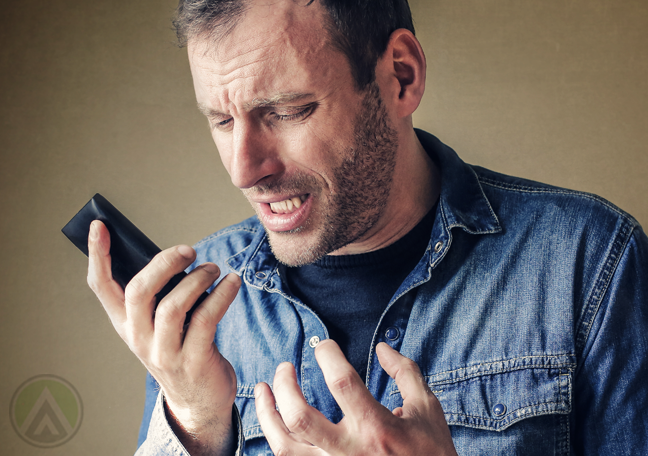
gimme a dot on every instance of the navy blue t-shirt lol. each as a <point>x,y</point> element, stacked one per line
<point>350,292</point>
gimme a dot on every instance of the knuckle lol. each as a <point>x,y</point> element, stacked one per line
<point>298,422</point>
<point>135,290</point>
<point>385,442</point>
<point>170,259</point>
<point>410,366</point>
<point>134,339</point>
<point>344,383</point>
<point>161,362</point>
<point>130,336</point>
<point>94,281</point>
<point>170,309</point>
<point>155,360</point>
<point>433,402</point>
<point>202,318</point>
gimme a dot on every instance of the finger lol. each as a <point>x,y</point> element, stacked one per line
<point>343,381</point>
<point>141,290</point>
<point>405,372</point>
<point>301,419</point>
<point>202,327</point>
<point>100,278</point>
<point>172,309</point>
<point>270,419</point>
<point>418,401</point>
<point>279,437</point>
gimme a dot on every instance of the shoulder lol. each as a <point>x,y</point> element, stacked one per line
<point>515,199</point>
<point>228,242</point>
<point>472,193</point>
<point>561,229</point>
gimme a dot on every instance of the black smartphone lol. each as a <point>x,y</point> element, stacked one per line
<point>130,249</point>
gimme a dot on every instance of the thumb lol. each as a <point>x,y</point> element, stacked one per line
<point>405,373</point>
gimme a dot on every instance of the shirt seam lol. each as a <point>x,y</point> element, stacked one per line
<point>601,286</point>
<point>559,362</point>
<point>499,426</point>
<point>558,191</point>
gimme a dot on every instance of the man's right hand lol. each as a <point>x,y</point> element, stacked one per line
<point>199,385</point>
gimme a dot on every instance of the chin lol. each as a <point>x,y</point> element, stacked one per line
<point>297,248</point>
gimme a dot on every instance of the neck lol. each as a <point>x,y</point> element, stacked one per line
<point>415,189</point>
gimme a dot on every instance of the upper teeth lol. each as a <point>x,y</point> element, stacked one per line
<point>289,205</point>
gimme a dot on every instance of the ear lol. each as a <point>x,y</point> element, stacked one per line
<point>401,70</point>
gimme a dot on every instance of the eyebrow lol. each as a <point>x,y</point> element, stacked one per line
<point>279,99</point>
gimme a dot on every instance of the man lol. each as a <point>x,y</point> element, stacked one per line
<point>474,313</point>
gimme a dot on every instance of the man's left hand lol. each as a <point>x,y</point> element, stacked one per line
<point>368,428</point>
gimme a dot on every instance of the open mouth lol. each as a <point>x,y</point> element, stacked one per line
<point>288,206</point>
<point>286,215</point>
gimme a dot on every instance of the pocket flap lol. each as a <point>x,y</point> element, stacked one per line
<point>493,396</point>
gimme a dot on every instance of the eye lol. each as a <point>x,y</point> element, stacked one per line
<point>222,124</point>
<point>300,113</point>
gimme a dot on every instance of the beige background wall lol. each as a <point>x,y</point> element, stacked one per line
<point>94,97</point>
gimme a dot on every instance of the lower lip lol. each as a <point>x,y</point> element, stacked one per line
<point>285,222</point>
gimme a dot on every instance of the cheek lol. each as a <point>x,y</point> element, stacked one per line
<point>311,149</point>
<point>324,143</point>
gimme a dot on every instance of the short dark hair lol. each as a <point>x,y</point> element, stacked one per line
<point>360,29</point>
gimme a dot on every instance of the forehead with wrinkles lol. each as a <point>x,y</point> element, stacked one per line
<point>275,48</point>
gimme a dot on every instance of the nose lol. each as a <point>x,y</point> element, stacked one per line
<point>253,156</point>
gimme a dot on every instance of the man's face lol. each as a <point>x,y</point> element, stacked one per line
<point>314,156</point>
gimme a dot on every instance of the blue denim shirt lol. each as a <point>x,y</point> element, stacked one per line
<point>527,314</point>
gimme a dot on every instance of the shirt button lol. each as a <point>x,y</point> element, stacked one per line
<point>314,341</point>
<point>438,246</point>
<point>499,409</point>
<point>260,275</point>
<point>392,333</point>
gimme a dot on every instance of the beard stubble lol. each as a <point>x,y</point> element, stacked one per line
<point>363,180</point>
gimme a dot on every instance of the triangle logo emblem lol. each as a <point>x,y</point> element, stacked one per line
<point>46,411</point>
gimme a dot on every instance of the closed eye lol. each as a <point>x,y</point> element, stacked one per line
<point>302,113</point>
<point>275,115</point>
<point>220,124</point>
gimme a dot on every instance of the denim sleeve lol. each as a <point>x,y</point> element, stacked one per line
<point>611,384</point>
<point>152,390</point>
<point>157,437</point>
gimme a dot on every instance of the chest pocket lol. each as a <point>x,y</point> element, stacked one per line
<point>517,406</point>
<point>495,402</point>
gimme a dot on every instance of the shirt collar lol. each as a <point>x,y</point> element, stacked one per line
<point>462,201</point>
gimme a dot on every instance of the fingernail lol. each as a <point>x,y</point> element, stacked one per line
<point>284,365</point>
<point>257,392</point>
<point>185,251</point>
<point>233,278</point>
<point>210,268</point>
<point>93,231</point>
